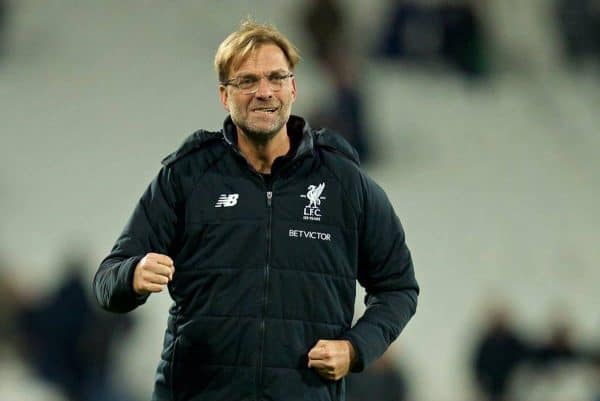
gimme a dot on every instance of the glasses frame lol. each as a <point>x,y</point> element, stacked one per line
<point>235,83</point>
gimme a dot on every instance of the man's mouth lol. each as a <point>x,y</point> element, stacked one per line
<point>265,109</point>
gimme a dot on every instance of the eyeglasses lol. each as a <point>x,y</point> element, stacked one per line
<point>249,83</point>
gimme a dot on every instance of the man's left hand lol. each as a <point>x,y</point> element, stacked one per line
<point>332,359</point>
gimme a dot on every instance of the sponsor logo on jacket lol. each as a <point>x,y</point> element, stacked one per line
<point>226,200</point>
<point>309,235</point>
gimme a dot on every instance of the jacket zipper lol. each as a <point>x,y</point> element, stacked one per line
<point>265,299</point>
<point>174,355</point>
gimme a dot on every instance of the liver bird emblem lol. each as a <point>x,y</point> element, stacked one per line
<point>314,194</point>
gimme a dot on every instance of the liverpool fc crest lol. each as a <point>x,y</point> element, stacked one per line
<point>312,211</point>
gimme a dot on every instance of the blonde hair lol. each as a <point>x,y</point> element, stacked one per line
<point>239,44</point>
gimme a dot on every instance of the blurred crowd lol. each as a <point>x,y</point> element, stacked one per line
<point>431,33</point>
<point>578,22</point>
<point>436,35</point>
<point>508,364</point>
<point>60,339</point>
<point>65,345</point>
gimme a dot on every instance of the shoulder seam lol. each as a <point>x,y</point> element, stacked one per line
<point>339,180</point>
<point>191,146</point>
<point>332,148</point>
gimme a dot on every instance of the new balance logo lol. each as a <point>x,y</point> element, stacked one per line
<point>227,200</point>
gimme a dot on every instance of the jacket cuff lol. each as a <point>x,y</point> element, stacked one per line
<point>130,264</point>
<point>357,344</point>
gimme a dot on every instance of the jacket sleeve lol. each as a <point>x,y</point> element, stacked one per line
<point>386,272</point>
<point>151,228</point>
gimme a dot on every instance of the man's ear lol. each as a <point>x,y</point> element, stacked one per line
<point>293,89</point>
<point>223,95</point>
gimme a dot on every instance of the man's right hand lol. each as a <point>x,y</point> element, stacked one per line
<point>152,273</point>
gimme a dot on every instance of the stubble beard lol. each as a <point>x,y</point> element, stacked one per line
<point>262,136</point>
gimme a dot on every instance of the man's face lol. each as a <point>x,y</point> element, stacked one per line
<point>261,115</point>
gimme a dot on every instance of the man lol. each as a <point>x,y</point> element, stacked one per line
<point>260,231</point>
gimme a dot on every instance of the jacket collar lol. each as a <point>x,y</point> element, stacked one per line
<point>299,130</point>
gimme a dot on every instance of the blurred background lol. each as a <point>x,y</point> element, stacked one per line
<point>480,118</point>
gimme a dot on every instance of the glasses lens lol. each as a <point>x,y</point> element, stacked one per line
<point>250,84</point>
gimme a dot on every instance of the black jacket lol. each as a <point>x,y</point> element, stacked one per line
<point>264,267</point>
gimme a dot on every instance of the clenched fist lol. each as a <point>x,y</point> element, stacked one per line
<point>152,273</point>
<point>332,359</point>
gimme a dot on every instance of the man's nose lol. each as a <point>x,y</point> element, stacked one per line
<point>264,88</point>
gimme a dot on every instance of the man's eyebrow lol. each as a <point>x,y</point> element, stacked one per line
<point>280,71</point>
<point>252,74</point>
